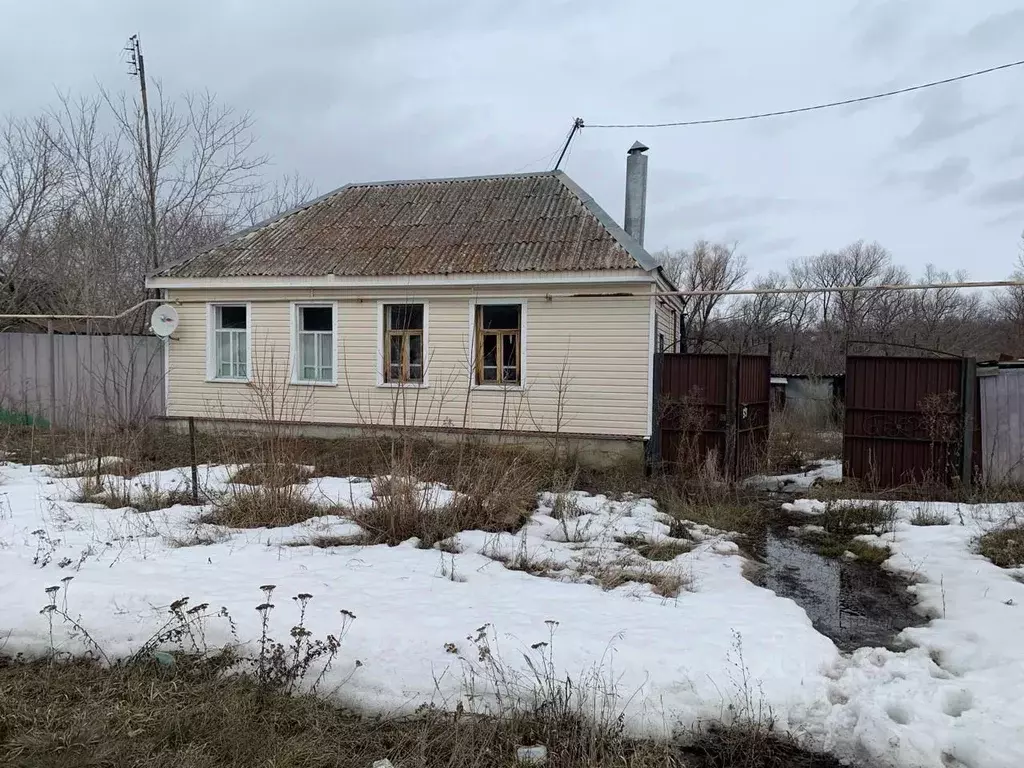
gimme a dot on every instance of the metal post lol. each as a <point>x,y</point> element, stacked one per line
<point>53,373</point>
<point>732,416</point>
<point>195,466</point>
<point>969,385</point>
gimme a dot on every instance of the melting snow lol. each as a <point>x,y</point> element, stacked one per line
<point>949,699</point>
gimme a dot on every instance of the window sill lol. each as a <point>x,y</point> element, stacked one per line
<point>301,383</point>
<point>222,380</point>
<point>405,385</point>
<point>498,387</point>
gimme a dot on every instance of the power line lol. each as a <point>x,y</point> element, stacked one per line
<point>1016,284</point>
<point>829,105</point>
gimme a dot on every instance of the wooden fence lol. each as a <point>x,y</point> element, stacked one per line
<point>70,380</point>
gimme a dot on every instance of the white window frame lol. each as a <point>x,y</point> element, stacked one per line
<point>382,352</point>
<point>211,343</point>
<point>523,344</point>
<point>296,325</point>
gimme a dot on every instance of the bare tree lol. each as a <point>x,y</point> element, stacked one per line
<point>205,165</point>
<point>31,173</point>
<point>1008,308</point>
<point>282,195</point>
<point>74,194</point>
<point>704,267</point>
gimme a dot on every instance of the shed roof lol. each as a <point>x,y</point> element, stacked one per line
<point>535,222</point>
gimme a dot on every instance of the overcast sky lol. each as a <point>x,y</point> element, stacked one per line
<point>345,91</point>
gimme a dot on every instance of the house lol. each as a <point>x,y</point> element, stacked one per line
<point>502,305</point>
<point>815,399</point>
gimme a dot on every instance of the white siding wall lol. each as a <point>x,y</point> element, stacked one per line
<point>586,362</point>
<point>665,321</point>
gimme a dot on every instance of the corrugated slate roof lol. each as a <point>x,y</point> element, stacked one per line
<point>539,222</point>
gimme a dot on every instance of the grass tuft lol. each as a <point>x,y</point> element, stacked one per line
<point>927,517</point>
<point>328,542</point>
<point>1004,547</point>
<point>276,475</point>
<point>263,506</point>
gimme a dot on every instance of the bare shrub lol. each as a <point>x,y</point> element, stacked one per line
<point>401,510</point>
<point>263,506</point>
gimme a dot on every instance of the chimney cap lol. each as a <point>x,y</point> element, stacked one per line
<point>637,147</point>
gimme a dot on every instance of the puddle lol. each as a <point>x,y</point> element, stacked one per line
<point>854,604</point>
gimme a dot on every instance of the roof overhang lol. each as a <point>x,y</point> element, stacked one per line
<point>603,276</point>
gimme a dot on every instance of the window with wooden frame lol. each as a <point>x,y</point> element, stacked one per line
<point>499,344</point>
<point>403,344</point>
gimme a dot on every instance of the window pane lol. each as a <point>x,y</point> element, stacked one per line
<point>307,353</point>
<point>395,372</point>
<point>326,352</point>
<point>405,317</point>
<point>490,373</point>
<point>415,349</point>
<point>316,318</point>
<point>508,350</point>
<point>223,354</point>
<point>490,350</point>
<point>395,356</point>
<point>415,372</point>
<point>500,316</point>
<point>509,375</point>
<point>231,317</point>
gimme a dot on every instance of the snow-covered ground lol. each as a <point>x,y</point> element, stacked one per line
<point>946,701</point>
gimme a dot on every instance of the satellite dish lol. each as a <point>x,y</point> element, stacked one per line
<point>164,321</point>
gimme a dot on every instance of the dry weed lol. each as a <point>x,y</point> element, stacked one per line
<point>1004,546</point>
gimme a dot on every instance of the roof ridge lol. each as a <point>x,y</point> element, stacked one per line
<point>451,179</point>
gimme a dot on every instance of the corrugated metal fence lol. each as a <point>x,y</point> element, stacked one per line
<point>712,411</point>
<point>1001,400</point>
<point>70,380</point>
<point>907,420</point>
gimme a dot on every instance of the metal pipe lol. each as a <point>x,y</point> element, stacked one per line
<point>312,294</point>
<point>847,288</point>
<point>118,316</point>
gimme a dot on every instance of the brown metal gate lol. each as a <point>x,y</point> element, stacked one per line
<point>908,420</point>
<point>711,411</point>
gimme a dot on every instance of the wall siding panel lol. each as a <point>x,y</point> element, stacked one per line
<point>586,363</point>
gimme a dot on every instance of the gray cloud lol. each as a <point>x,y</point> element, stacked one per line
<point>883,27</point>
<point>949,177</point>
<point>997,31</point>
<point>943,115</point>
<point>722,210</point>
<point>393,89</point>
<point>1008,192</point>
<point>776,245</point>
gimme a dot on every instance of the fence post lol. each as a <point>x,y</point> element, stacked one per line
<point>195,466</point>
<point>732,416</point>
<point>53,372</point>
<point>653,452</point>
<point>969,384</point>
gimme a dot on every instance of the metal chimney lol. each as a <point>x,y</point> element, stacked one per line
<point>636,191</point>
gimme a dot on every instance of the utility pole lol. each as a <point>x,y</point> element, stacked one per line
<point>577,124</point>
<point>137,68</point>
